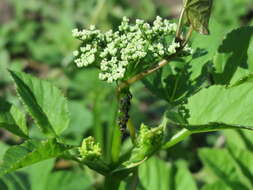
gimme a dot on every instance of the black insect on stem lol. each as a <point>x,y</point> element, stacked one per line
<point>125,97</point>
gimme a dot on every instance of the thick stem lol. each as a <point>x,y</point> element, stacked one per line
<point>116,145</point>
<point>135,180</point>
<point>111,183</point>
<point>180,136</point>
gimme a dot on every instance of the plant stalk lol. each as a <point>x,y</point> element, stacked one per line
<point>141,75</point>
<point>181,19</point>
<point>188,35</point>
<point>111,183</point>
<point>132,131</point>
<point>135,180</point>
<point>180,136</point>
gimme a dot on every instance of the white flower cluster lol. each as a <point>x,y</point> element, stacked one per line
<point>116,53</point>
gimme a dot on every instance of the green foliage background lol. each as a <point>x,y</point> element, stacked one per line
<point>35,37</point>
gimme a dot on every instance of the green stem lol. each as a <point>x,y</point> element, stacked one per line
<point>180,136</point>
<point>188,35</point>
<point>141,75</point>
<point>111,183</point>
<point>116,144</point>
<point>132,131</point>
<point>181,19</point>
<point>135,180</point>
<point>98,128</point>
<point>111,125</point>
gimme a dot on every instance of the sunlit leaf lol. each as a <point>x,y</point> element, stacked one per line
<point>218,107</point>
<point>31,152</point>
<point>44,102</point>
<point>221,164</point>
<point>234,56</point>
<point>218,185</point>
<point>12,119</point>
<point>157,174</point>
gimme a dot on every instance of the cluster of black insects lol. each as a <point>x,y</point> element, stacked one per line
<point>123,110</point>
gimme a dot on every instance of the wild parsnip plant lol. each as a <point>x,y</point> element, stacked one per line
<point>211,96</point>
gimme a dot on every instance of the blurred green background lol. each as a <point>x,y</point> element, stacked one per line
<point>35,37</point>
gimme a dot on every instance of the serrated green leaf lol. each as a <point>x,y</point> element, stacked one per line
<point>244,160</point>
<point>198,13</point>
<point>173,83</point>
<point>157,174</point>
<point>3,148</point>
<point>218,185</point>
<point>240,138</point>
<point>218,107</point>
<point>69,180</point>
<point>221,164</point>
<point>206,46</point>
<point>15,181</point>
<point>12,119</point>
<point>39,174</point>
<point>233,59</point>
<point>44,102</point>
<point>31,152</point>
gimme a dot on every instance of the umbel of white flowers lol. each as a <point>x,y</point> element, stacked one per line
<point>132,46</point>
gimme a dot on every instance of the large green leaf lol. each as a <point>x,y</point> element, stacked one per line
<point>198,13</point>
<point>234,58</point>
<point>3,148</point>
<point>12,119</point>
<point>183,178</point>
<point>33,177</point>
<point>31,152</point>
<point>218,107</point>
<point>68,180</point>
<point>15,181</point>
<point>244,160</point>
<point>221,164</point>
<point>157,174</point>
<point>44,102</point>
<point>173,82</point>
<point>81,121</point>
<point>218,185</point>
<point>206,46</point>
<point>240,138</point>
<point>39,174</point>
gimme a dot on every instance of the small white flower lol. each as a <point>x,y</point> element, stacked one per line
<point>92,27</point>
<point>132,44</point>
<point>101,76</point>
<point>75,53</point>
<point>75,32</point>
<point>91,59</point>
<point>139,22</point>
<point>172,48</point>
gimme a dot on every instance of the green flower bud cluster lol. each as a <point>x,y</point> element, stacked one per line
<point>148,142</point>
<point>118,54</point>
<point>90,150</point>
<point>149,138</point>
